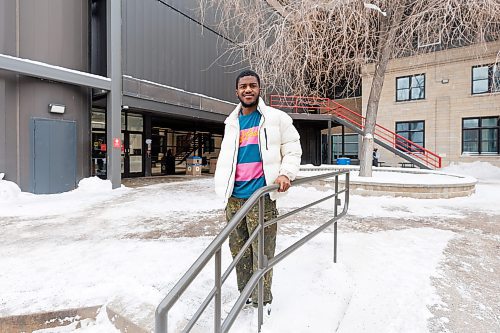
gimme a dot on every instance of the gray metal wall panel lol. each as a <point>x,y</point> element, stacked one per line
<point>3,132</point>
<point>55,32</point>
<point>8,27</point>
<point>163,46</point>
<point>35,98</point>
<point>10,105</point>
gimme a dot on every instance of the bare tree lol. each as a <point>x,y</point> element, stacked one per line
<point>307,47</point>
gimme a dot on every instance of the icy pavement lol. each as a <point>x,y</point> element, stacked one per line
<point>405,265</point>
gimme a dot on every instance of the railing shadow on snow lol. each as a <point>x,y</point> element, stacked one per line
<point>264,265</point>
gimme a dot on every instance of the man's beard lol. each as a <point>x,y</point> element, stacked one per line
<point>249,105</point>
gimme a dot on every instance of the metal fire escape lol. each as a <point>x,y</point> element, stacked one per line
<point>384,137</point>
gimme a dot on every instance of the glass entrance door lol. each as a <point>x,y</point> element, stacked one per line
<point>132,155</point>
<point>135,154</point>
<point>133,146</point>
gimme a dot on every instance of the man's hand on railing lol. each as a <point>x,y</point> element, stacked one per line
<point>284,183</point>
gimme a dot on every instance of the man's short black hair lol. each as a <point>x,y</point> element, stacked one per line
<point>247,72</point>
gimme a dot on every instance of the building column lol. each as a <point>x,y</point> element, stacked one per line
<point>329,153</point>
<point>147,130</point>
<point>343,140</point>
<point>114,100</point>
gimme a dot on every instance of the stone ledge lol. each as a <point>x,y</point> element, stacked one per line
<point>36,321</point>
<point>51,319</point>
<point>465,188</point>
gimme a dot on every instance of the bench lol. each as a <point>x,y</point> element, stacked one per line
<point>406,164</point>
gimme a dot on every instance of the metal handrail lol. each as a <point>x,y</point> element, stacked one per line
<point>264,265</point>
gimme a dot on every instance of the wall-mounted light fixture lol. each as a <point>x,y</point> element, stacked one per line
<point>57,108</point>
<point>445,81</point>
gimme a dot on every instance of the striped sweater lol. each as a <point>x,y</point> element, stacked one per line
<point>249,173</point>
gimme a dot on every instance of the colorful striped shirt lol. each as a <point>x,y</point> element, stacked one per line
<point>249,171</point>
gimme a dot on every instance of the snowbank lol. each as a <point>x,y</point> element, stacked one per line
<point>90,191</point>
<point>94,184</point>
<point>480,170</point>
<point>8,190</point>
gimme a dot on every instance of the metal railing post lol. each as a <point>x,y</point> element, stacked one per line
<point>260,289</point>
<point>161,324</point>
<point>218,292</point>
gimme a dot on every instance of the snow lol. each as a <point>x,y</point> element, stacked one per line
<point>480,170</point>
<point>80,248</point>
<point>8,190</point>
<point>393,175</point>
<point>374,7</point>
<point>22,204</point>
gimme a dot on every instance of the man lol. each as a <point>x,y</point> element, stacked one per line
<point>260,147</point>
<point>376,157</point>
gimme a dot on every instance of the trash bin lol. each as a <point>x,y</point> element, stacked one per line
<point>343,161</point>
<point>193,166</point>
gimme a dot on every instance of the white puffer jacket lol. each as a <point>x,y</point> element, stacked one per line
<point>279,144</point>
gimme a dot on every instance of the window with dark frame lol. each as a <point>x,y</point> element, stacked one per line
<point>485,79</point>
<point>348,148</point>
<point>412,131</point>
<point>410,88</point>
<point>480,135</point>
<point>351,142</point>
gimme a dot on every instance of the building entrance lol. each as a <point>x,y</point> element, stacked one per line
<point>132,155</point>
<point>155,146</point>
<point>132,161</point>
<point>173,146</point>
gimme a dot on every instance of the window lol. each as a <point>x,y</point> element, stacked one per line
<point>98,120</point>
<point>480,135</point>
<point>134,122</point>
<point>409,88</point>
<point>413,131</point>
<point>485,79</point>
<point>349,148</point>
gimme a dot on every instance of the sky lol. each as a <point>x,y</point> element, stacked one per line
<point>126,248</point>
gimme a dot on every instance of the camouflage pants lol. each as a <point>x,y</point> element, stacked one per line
<point>249,262</point>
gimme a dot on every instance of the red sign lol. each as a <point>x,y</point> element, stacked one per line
<point>117,143</point>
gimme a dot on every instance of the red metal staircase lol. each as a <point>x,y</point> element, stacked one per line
<point>384,137</point>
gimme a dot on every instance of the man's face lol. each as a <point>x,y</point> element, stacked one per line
<point>248,91</point>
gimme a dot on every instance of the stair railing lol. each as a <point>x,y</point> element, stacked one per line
<point>264,265</point>
<point>303,104</point>
<point>188,148</point>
